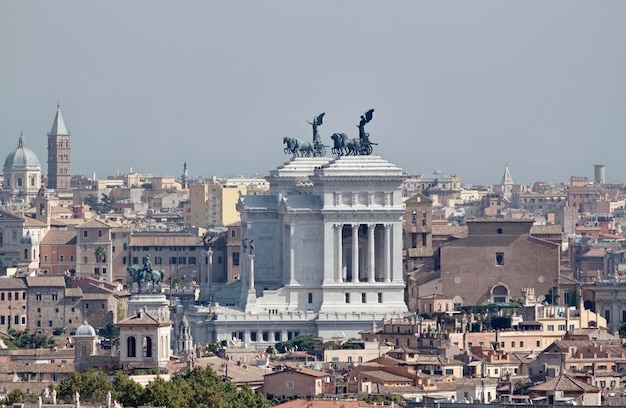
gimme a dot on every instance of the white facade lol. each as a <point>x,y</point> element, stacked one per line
<point>327,254</point>
<point>19,242</point>
<point>22,176</point>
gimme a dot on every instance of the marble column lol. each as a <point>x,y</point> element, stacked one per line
<point>286,254</point>
<point>355,252</point>
<point>338,253</point>
<point>371,228</point>
<point>387,256</point>
<point>292,256</point>
<point>251,283</point>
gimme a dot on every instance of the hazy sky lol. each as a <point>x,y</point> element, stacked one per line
<point>463,87</point>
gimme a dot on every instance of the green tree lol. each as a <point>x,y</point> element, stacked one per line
<point>128,392</point>
<point>14,397</point>
<point>197,388</point>
<point>100,253</point>
<point>101,206</point>
<point>303,342</point>
<point>24,339</point>
<point>92,385</point>
<point>110,333</point>
<point>92,201</point>
<point>170,394</point>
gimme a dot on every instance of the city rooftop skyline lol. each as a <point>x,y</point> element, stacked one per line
<point>465,88</point>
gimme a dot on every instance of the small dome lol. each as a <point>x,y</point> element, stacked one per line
<point>22,157</point>
<point>85,329</point>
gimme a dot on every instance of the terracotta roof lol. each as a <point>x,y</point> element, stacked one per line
<point>10,368</point>
<point>31,222</point>
<point>477,381</point>
<point>459,231</point>
<point>596,252</point>
<point>60,210</point>
<point>94,223</point>
<point>6,215</point>
<point>238,374</point>
<point>422,277</point>
<point>546,229</point>
<point>82,282</point>
<point>48,281</point>
<point>59,237</point>
<point>564,383</point>
<point>144,319</point>
<point>302,370</point>
<point>73,292</point>
<point>12,283</point>
<point>384,376</point>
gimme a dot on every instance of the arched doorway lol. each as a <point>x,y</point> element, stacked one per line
<point>500,294</point>
<point>457,302</point>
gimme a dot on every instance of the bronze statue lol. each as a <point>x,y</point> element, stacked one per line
<point>317,121</point>
<point>145,273</point>
<point>365,119</point>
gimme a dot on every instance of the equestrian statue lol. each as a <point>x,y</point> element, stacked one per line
<point>145,275</point>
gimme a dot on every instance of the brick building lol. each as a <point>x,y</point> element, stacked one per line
<point>179,255</point>
<point>94,250</point>
<point>58,252</point>
<point>12,304</point>
<point>295,382</point>
<point>48,307</point>
<point>496,261</point>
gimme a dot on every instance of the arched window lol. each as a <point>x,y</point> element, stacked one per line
<point>147,346</point>
<point>457,302</point>
<point>131,347</point>
<point>500,294</point>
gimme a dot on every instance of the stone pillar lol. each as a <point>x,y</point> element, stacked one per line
<point>338,252</point>
<point>292,256</point>
<point>355,252</point>
<point>387,257</point>
<point>251,283</point>
<point>371,228</point>
<point>397,268</point>
<point>286,254</point>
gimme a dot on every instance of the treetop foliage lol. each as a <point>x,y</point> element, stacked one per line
<point>197,388</point>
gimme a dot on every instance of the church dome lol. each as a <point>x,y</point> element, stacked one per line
<point>22,157</point>
<point>85,329</point>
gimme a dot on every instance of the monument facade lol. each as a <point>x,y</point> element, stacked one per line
<point>321,254</point>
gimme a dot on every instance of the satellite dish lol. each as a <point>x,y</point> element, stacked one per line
<point>541,298</point>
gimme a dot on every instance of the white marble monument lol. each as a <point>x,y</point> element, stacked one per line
<point>327,255</point>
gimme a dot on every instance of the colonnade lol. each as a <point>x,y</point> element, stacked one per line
<point>372,248</point>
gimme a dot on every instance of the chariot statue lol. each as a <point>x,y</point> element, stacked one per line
<point>299,148</point>
<point>344,146</point>
<point>147,279</point>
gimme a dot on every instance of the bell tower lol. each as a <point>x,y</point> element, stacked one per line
<point>59,154</point>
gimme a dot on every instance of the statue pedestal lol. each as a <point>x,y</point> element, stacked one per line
<point>156,304</point>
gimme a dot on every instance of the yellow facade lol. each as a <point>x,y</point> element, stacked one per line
<point>212,204</point>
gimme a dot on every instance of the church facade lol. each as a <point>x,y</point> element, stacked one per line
<point>22,176</point>
<point>321,254</point>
